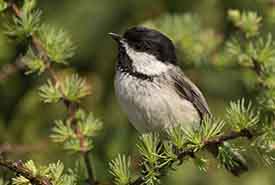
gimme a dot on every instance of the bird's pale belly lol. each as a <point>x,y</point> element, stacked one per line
<point>152,106</point>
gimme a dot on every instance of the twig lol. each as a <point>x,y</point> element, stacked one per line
<point>71,106</point>
<point>89,168</point>
<point>19,168</point>
<point>10,69</point>
<point>216,141</point>
<point>256,67</point>
<point>230,136</point>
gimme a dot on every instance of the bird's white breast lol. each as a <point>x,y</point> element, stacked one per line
<point>145,63</point>
<point>152,106</point>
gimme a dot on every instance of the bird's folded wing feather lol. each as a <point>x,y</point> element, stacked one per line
<point>188,90</point>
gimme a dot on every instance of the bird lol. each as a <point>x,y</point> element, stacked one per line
<point>154,92</point>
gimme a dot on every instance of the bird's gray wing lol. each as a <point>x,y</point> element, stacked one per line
<point>188,90</point>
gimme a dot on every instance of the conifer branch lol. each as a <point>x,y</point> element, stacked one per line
<point>10,69</point>
<point>158,156</point>
<point>71,106</point>
<point>19,168</point>
<point>190,152</point>
<point>231,136</point>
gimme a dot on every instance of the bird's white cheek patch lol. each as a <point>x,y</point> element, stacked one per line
<point>145,63</point>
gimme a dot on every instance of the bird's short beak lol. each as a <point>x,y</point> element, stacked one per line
<point>115,36</point>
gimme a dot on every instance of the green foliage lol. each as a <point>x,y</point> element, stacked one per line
<point>3,5</point>
<point>266,100</point>
<point>31,167</point>
<point>120,169</point>
<point>82,139</point>
<point>62,132</point>
<point>54,172</point>
<point>201,163</point>
<point>268,80</point>
<point>152,176</point>
<point>240,116</point>
<point>211,128</point>
<point>20,181</point>
<point>258,50</point>
<point>169,152</point>
<point>262,50</point>
<point>29,6</point>
<point>27,23</point>
<point>227,154</point>
<point>45,45</point>
<point>33,63</point>
<point>264,145</point>
<point>208,129</point>
<point>249,22</point>
<point>72,88</point>
<point>88,125</point>
<point>57,44</point>
<point>194,41</point>
<point>159,156</point>
<point>177,137</point>
<point>148,148</point>
<point>50,92</point>
<point>235,50</point>
<point>257,54</point>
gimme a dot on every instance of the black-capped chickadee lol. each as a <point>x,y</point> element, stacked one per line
<point>153,91</point>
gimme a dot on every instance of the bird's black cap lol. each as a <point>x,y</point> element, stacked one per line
<point>151,41</point>
<point>148,40</point>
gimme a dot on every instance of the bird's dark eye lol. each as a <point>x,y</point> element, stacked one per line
<point>140,45</point>
<point>143,46</point>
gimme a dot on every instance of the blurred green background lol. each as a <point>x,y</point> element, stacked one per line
<point>26,121</point>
